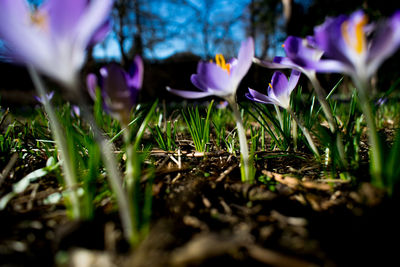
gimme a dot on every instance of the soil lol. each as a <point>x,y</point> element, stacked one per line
<point>203,215</point>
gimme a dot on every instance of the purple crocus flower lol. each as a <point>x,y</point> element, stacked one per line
<point>348,49</point>
<point>53,38</point>
<point>220,78</point>
<point>75,111</point>
<point>119,89</point>
<point>279,90</point>
<point>299,53</point>
<point>303,55</point>
<point>48,97</point>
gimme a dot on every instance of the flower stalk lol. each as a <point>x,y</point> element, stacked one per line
<point>244,150</point>
<point>68,165</point>
<point>305,132</point>
<point>132,184</point>
<point>376,157</point>
<point>319,91</point>
<point>114,177</point>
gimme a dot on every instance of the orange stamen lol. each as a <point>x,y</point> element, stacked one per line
<point>39,19</point>
<point>358,44</point>
<point>220,61</point>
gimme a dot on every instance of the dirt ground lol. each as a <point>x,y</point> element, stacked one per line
<point>203,215</point>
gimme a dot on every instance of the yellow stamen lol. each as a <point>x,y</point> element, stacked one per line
<point>283,45</point>
<point>270,85</point>
<point>358,44</point>
<point>39,19</point>
<point>220,61</point>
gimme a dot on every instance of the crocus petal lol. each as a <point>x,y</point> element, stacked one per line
<point>329,38</point>
<point>76,111</point>
<point>194,78</point>
<point>297,47</point>
<point>135,77</point>
<point>13,12</point>
<point>293,80</point>
<point>385,43</point>
<point>113,78</point>
<point>278,63</point>
<point>118,97</point>
<point>91,83</point>
<point>96,14</point>
<point>189,94</point>
<point>100,33</point>
<point>279,83</point>
<point>244,60</point>
<point>23,40</point>
<point>54,38</point>
<point>256,96</point>
<point>64,15</point>
<point>215,77</point>
<point>327,65</point>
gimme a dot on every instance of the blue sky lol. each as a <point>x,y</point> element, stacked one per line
<point>223,9</point>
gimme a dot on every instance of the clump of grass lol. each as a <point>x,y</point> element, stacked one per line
<point>198,126</point>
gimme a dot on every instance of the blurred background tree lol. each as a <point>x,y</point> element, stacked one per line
<point>172,35</point>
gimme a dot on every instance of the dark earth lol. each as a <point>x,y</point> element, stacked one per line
<point>203,215</point>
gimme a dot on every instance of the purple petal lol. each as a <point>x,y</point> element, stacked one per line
<point>194,78</point>
<point>64,15</point>
<point>213,76</point>
<point>13,12</point>
<point>279,83</point>
<point>76,111</point>
<point>135,76</point>
<point>96,14</point>
<point>189,94</point>
<point>278,63</point>
<point>244,61</point>
<point>327,65</point>
<point>100,33</point>
<point>91,83</point>
<point>329,38</point>
<point>258,97</point>
<point>296,47</point>
<point>114,81</point>
<point>293,80</point>
<point>25,43</point>
<point>385,42</point>
<point>118,96</point>
<point>50,95</point>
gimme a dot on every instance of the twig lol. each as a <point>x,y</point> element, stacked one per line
<point>295,183</point>
<point>226,172</point>
<point>273,258</point>
<point>8,168</point>
<point>194,154</point>
<point>4,116</point>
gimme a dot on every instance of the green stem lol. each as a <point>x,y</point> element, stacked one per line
<point>244,151</point>
<point>305,132</point>
<point>278,113</point>
<point>58,135</point>
<point>319,91</point>
<point>376,165</point>
<point>114,177</point>
<point>132,185</point>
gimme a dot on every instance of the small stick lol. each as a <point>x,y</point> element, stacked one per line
<point>8,168</point>
<point>226,172</point>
